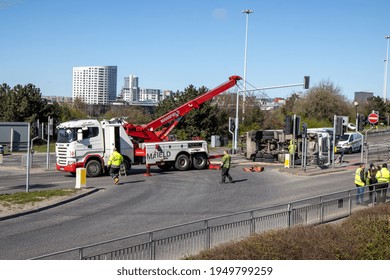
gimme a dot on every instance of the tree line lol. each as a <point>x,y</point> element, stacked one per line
<point>316,106</point>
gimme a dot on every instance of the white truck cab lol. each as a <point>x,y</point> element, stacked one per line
<point>89,143</point>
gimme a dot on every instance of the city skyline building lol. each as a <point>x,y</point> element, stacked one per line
<point>362,96</point>
<point>130,90</point>
<point>148,94</point>
<point>95,84</point>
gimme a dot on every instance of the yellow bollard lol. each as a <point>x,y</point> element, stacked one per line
<point>81,178</point>
<point>287,162</point>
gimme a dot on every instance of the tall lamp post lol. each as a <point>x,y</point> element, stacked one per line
<point>356,104</point>
<point>247,12</point>
<point>386,64</point>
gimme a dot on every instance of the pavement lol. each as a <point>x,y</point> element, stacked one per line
<point>311,170</point>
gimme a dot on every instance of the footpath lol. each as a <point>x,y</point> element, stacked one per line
<point>297,170</point>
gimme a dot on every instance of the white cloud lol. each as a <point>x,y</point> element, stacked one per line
<point>220,14</point>
<point>5,4</point>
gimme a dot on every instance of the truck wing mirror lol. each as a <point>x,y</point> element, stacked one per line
<point>79,135</point>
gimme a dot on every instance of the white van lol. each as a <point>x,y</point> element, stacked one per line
<point>349,143</point>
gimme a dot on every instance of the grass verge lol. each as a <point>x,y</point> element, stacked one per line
<point>22,198</point>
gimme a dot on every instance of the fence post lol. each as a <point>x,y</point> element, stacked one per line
<point>322,209</point>
<point>350,203</point>
<point>80,253</point>
<point>152,249</point>
<point>289,209</point>
<point>252,225</point>
<point>208,237</point>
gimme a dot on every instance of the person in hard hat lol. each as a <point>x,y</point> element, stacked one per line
<point>360,182</point>
<point>225,167</point>
<point>383,177</point>
<point>114,163</point>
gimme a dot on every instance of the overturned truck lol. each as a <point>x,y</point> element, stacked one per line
<point>273,145</point>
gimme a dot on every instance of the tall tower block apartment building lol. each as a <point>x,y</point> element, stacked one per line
<point>95,84</point>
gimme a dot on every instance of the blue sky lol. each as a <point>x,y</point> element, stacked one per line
<point>174,43</point>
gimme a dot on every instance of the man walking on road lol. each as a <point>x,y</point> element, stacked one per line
<point>114,163</point>
<point>225,167</point>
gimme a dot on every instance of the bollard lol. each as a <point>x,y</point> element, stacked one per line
<point>81,178</point>
<point>287,162</point>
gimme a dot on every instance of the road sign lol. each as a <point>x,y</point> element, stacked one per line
<point>373,118</point>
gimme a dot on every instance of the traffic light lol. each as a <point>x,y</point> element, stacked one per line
<point>304,130</point>
<point>339,126</point>
<point>297,126</point>
<point>361,122</point>
<point>232,124</point>
<point>288,125</point>
<point>306,82</point>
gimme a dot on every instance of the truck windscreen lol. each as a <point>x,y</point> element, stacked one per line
<point>66,135</point>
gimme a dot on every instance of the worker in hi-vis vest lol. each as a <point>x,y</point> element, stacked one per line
<point>360,182</point>
<point>114,164</point>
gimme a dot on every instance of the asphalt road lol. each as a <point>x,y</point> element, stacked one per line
<point>145,203</point>
<point>142,203</point>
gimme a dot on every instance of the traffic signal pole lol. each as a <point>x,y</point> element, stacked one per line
<point>305,84</point>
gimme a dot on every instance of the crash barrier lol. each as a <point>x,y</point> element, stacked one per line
<point>379,132</point>
<point>378,154</point>
<point>177,242</point>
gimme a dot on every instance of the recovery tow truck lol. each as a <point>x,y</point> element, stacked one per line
<point>89,143</point>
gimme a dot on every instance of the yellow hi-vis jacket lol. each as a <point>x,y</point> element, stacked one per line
<point>226,161</point>
<point>115,159</point>
<point>291,147</point>
<point>358,177</point>
<point>383,175</point>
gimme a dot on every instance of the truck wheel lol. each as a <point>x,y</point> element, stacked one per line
<point>200,161</point>
<point>127,164</point>
<point>182,162</point>
<point>165,166</point>
<point>94,168</point>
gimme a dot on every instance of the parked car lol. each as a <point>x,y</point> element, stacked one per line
<point>349,143</point>
<point>1,150</point>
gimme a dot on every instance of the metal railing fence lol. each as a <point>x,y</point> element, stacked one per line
<point>177,242</point>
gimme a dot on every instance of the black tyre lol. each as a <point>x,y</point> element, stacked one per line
<point>182,162</point>
<point>200,161</point>
<point>165,166</point>
<point>94,168</point>
<point>127,164</point>
<point>350,151</point>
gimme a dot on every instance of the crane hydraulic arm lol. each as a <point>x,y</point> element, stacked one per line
<point>148,132</point>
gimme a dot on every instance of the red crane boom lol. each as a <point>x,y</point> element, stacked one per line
<point>148,132</point>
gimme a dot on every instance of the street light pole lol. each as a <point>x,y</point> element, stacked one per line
<point>247,12</point>
<point>356,104</point>
<point>386,64</point>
